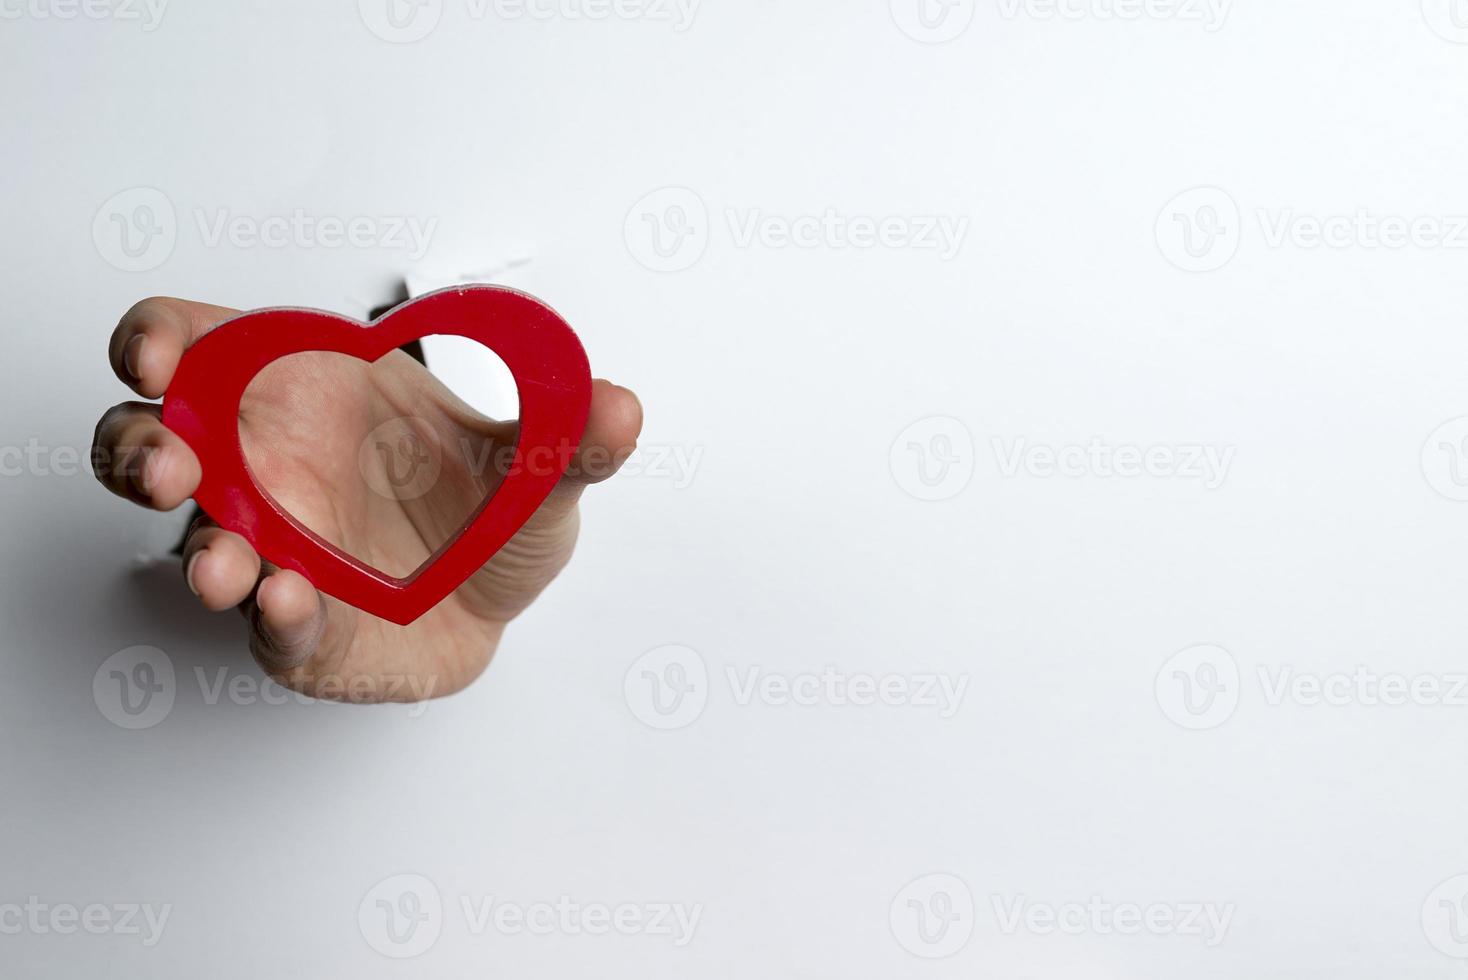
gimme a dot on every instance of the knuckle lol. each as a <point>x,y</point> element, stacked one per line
<point>136,430</point>
<point>195,541</point>
<point>145,311</point>
<point>126,436</point>
<point>200,532</point>
<point>113,420</point>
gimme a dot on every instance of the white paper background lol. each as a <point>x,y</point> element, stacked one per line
<point>1332,541</point>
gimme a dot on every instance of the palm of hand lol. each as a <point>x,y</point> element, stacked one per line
<point>385,463</point>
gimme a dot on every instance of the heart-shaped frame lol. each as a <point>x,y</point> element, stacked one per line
<point>543,354</point>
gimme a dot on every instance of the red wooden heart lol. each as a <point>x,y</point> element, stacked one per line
<point>542,353</point>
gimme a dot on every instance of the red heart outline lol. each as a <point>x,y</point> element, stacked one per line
<point>543,354</point>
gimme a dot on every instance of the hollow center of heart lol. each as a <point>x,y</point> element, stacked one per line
<point>384,460</point>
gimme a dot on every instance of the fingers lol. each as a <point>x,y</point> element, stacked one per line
<point>152,336</point>
<point>135,456</point>
<point>220,566</point>
<point>287,619</point>
<point>612,428</point>
<point>287,616</point>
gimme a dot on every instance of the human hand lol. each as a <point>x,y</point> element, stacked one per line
<point>303,422</point>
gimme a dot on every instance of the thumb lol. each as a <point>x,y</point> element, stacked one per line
<point>540,549</point>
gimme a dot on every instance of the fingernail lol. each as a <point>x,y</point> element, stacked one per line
<point>132,356</point>
<point>189,571</point>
